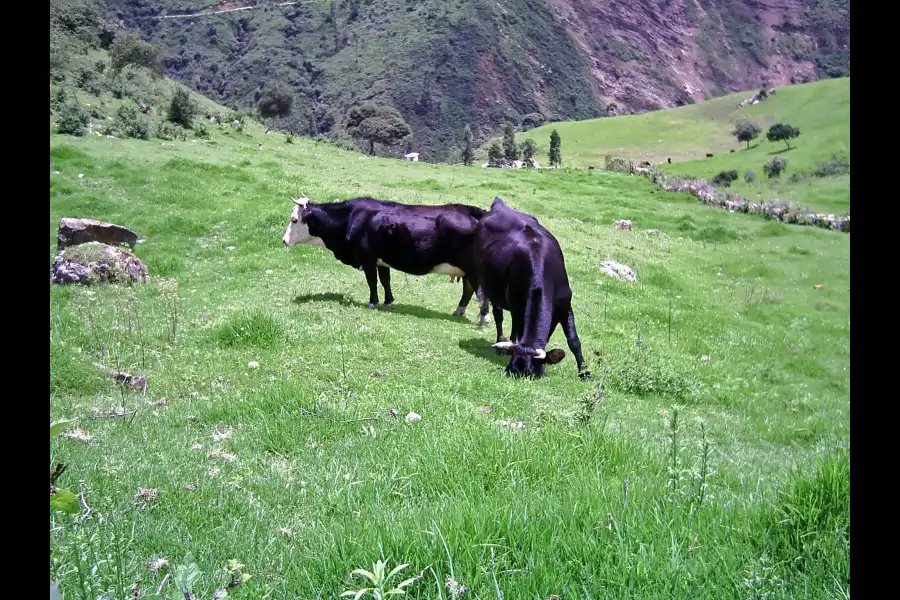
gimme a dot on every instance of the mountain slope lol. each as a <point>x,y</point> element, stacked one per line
<point>446,63</point>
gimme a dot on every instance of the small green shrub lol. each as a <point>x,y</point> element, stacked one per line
<point>289,138</point>
<point>833,167</point>
<point>73,119</point>
<point>642,371</point>
<point>775,167</point>
<point>182,108</point>
<point>128,122</point>
<point>170,131</point>
<point>201,131</point>
<point>725,178</point>
<point>750,176</point>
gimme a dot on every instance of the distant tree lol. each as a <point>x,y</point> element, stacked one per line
<point>495,155</point>
<point>774,167</point>
<point>510,150</point>
<point>528,150</point>
<point>746,132</point>
<point>377,124</point>
<point>276,101</point>
<point>468,154</point>
<point>555,153</point>
<point>724,178</point>
<point>129,49</point>
<point>782,132</point>
<point>182,108</point>
<point>532,120</point>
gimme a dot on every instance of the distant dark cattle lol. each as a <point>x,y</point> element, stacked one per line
<point>709,155</point>
<point>645,163</point>
<point>670,160</point>
<point>378,235</point>
<point>520,268</point>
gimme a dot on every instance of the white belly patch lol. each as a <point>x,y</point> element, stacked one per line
<point>448,269</point>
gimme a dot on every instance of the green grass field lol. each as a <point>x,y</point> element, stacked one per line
<point>294,469</point>
<point>821,110</point>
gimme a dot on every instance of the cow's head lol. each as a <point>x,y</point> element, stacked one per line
<point>298,230</point>
<point>528,362</point>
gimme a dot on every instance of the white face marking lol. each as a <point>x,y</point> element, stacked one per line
<point>448,269</point>
<point>297,232</point>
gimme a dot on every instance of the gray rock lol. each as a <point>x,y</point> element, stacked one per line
<point>617,270</point>
<point>73,232</point>
<point>94,262</point>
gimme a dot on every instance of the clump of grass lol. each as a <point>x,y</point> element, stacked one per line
<point>255,329</point>
<point>810,521</point>
<point>642,371</point>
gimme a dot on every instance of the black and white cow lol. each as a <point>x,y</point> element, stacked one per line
<point>378,235</point>
<point>520,268</point>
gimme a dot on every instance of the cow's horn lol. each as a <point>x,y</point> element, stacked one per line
<point>301,201</point>
<point>540,354</point>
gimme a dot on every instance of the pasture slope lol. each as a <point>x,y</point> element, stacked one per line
<point>712,463</point>
<point>821,110</point>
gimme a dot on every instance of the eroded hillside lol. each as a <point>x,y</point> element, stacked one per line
<point>448,63</point>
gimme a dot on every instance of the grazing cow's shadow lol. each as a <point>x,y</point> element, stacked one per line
<point>400,309</point>
<point>481,348</point>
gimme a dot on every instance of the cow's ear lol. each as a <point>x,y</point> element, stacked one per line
<point>554,356</point>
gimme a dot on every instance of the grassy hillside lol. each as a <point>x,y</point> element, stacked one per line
<point>445,64</point>
<point>293,468</point>
<point>821,111</point>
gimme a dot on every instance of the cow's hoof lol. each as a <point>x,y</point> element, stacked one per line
<point>484,321</point>
<point>585,376</point>
<point>460,311</point>
<point>389,304</point>
<point>372,304</point>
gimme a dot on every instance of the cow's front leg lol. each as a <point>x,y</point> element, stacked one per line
<point>498,322</point>
<point>372,280</point>
<point>384,274</point>
<point>572,339</point>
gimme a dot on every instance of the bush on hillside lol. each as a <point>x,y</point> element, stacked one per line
<point>725,178</point>
<point>616,164</point>
<point>289,138</point>
<point>128,122</point>
<point>833,167</point>
<point>750,176</point>
<point>532,120</point>
<point>72,119</point>
<point>276,100</point>
<point>201,131</point>
<point>170,131</point>
<point>495,155</point>
<point>775,167</point>
<point>182,108</point>
<point>129,49</point>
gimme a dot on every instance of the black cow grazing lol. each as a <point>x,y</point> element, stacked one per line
<point>520,268</point>
<point>378,235</point>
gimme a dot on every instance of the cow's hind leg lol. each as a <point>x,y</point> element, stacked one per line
<point>372,280</point>
<point>466,297</point>
<point>384,274</point>
<point>568,325</point>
